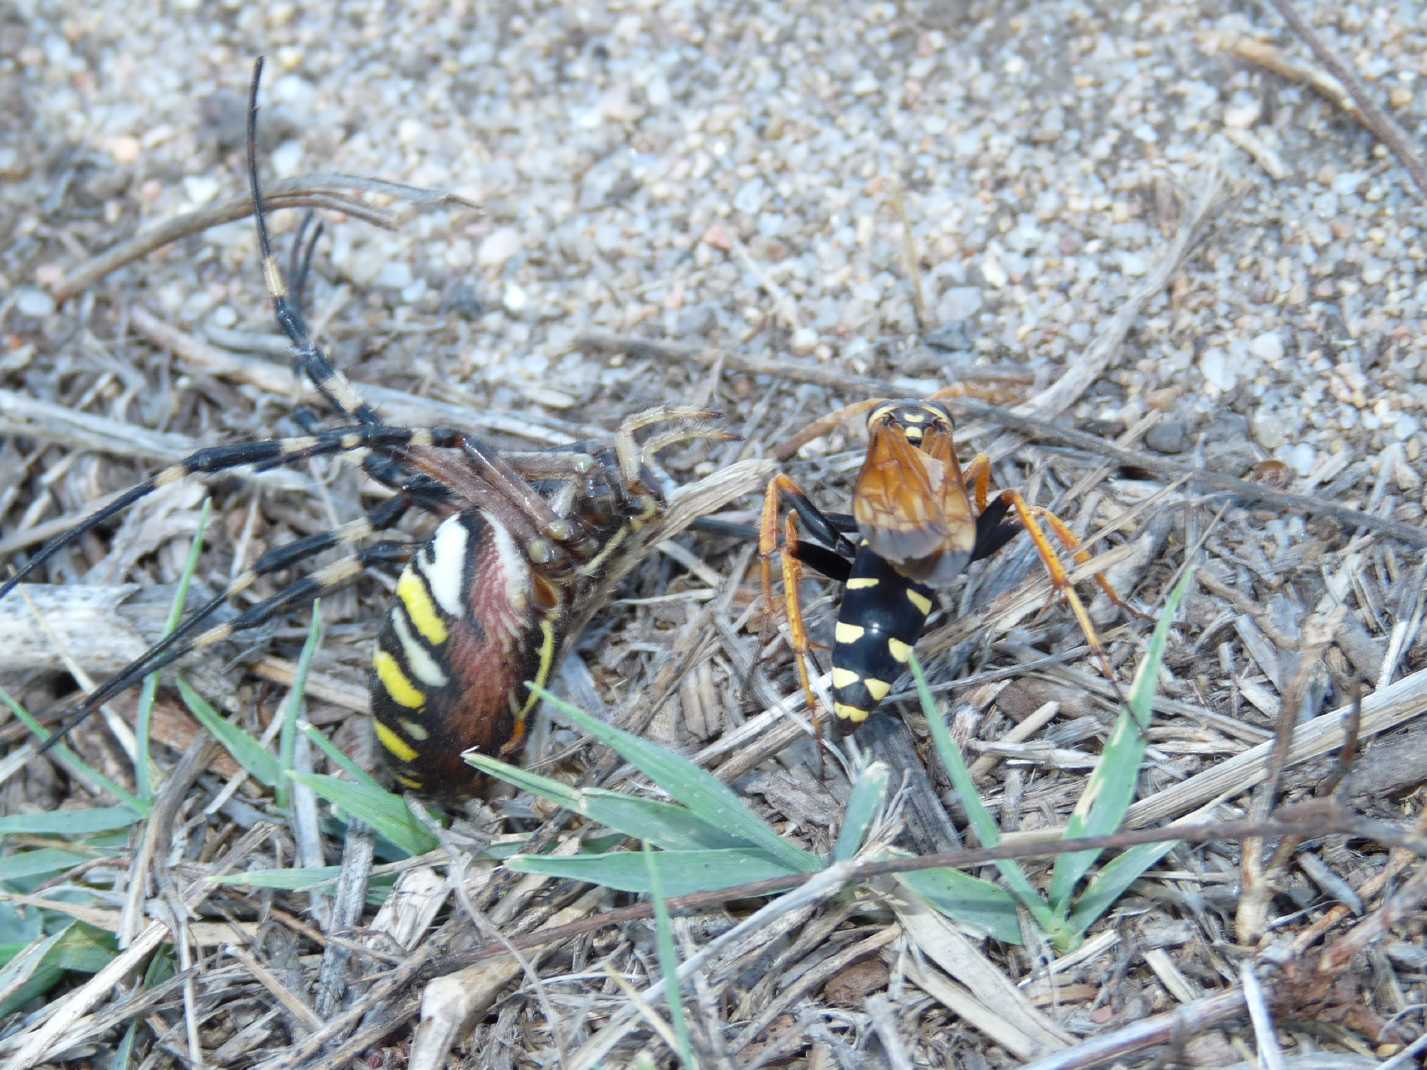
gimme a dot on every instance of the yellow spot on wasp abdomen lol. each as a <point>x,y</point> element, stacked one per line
<point>848,633</point>
<point>876,688</point>
<point>849,713</point>
<point>858,583</point>
<point>921,601</point>
<point>399,748</point>
<point>415,596</point>
<point>402,691</point>
<point>899,650</point>
<point>844,678</point>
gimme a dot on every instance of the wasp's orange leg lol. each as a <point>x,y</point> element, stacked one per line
<point>978,473</point>
<point>778,486</point>
<point>793,606</point>
<point>1072,544</point>
<point>1060,579</point>
<point>822,426</point>
<point>793,549</point>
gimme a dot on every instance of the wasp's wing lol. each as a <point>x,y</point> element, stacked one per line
<point>911,505</point>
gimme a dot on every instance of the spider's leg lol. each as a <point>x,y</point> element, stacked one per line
<point>330,383</point>
<point>182,641</point>
<point>424,492</point>
<point>270,453</point>
<point>299,261</point>
<point>822,426</point>
<point>690,423</point>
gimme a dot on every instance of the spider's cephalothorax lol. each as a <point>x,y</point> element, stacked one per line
<point>912,530</point>
<point>528,547</point>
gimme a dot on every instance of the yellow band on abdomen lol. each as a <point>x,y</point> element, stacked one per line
<point>411,589</point>
<point>402,691</point>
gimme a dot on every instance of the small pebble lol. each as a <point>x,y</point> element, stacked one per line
<point>803,341</point>
<point>1301,458</point>
<point>1218,369</point>
<point>1268,429</point>
<point>992,271</point>
<point>959,303</point>
<point>1268,347</point>
<point>32,302</point>
<point>498,247</point>
<point>1168,436</point>
<point>1243,110</point>
<point>513,299</point>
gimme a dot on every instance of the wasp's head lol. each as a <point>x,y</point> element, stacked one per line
<point>917,421</point>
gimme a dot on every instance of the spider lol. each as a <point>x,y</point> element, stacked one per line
<point>528,547</point>
<point>912,530</point>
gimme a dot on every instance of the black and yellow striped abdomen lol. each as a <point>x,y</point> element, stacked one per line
<point>881,619</point>
<point>472,621</point>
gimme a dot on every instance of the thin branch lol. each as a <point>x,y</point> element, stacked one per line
<point>1241,489</point>
<point>1382,125</point>
<point>308,191</point>
<point>1311,819</point>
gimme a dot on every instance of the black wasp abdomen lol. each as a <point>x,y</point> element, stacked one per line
<point>882,617</point>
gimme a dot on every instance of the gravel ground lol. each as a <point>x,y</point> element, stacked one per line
<point>743,181</point>
<point>727,177</point>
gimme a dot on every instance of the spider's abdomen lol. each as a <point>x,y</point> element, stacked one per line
<point>881,619</point>
<point>471,623</point>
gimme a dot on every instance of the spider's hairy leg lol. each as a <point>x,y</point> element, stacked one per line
<point>299,259</point>
<point>182,642</point>
<point>263,455</point>
<point>330,383</point>
<point>690,423</point>
<point>822,426</point>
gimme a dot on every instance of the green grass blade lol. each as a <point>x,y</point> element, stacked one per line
<point>668,959</point>
<point>69,822</point>
<point>711,800</point>
<point>338,758</point>
<point>967,900</point>
<point>38,863</point>
<point>76,947</point>
<point>863,805</point>
<point>143,728</point>
<point>293,706</point>
<point>1110,883</point>
<point>73,763</point>
<point>27,970</point>
<point>525,780</point>
<point>124,1050</point>
<point>667,826</point>
<point>247,750</point>
<point>683,872</point>
<point>981,821</point>
<point>302,879</point>
<point>387,814</point>
<point>1111,787</point>
<point>379,887</point>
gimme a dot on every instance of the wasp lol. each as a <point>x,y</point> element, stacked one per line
<point>918,520</point>
<point>527,547</point>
